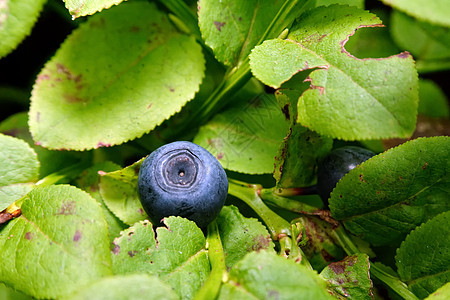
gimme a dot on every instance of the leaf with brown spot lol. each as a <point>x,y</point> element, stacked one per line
<point>46,254</point>
<point>240,235</point>
<point>85,98</point>
<point>177,254</point>
<point>402,188</point>
<point>349,278</point>
<point>348,98</point>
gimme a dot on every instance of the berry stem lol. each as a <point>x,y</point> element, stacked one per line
<point>211,287</point>
<point>271,196</point>
<point>248,193</point>
<point>280,229</point>
<point>393,282</point>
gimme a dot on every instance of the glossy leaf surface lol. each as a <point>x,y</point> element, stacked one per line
<point>387,196</point>
<point>119,192</point>
<point>348,98</point>
<point>19,169</point>
<point>59,243</point>
<point>246,138</point>
<point>436,11</point>
<point>126,287</point>
<point>349,278</point>
<point>116,77</point>
<point>177,254</point>
<point>17,18</point>
<point>424,257</point>
<point>83,8</point>
<point>266,275</point>
<point>241,235</point>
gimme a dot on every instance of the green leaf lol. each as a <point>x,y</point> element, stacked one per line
<point>357,3</point>
<point>79,8</point>
<point>232,28</point>
<point>177,255</point>
<point>245,138</point>
<point>19,169</point>
<point>436,11</point>
<point>298,155</point>
<point>127,287</point>
<point>265,275</point>
<point>348,98</point>
<point>433,102</point>
<point>7,293</point>
<point>119,192</point>
<point>89,181</point>
<point>442,293</point>
<point>320,247</point>
<point>51,161</point>
<point>241,235</point>
<point>423,259</point>
<point>427,42</point>
<point>349,278</point>
<point>17,18</point>
<point>387,196</point>
<point>301,149</point>
<point>57,245</point>
<point>116,77</point>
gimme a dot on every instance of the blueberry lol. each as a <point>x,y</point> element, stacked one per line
<point>182,179</point>
<point>335,165</point>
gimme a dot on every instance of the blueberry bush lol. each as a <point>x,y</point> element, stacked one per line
<point>88,89</point>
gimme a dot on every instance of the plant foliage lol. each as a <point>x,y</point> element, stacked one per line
<point>269,88</point>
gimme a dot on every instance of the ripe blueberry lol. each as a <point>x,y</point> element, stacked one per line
<point>335,165</point>
<point>182,179</point>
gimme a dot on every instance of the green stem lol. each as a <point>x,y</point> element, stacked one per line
<point>280,229</point>
<point>269,196</point>
<point>211,288</point>
<point>248,193</point>
<point>393,282</point>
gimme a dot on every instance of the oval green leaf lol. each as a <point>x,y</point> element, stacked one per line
<point>17,18</point>
<point>240,235</point>
<point>246,138</point>
<point>89,182</point>
<point>436,11</point>
<point>19,169</point>
<point>265,275</point>
<point>83,8</point>
<point>348,98</point>
<point>349,278</point>
<point>442,293</point>
<point>387,196</point>
<point>177,254</point>
<point>424,40</point>
<point>423,259</point>
<point>116,77</point>
<point>232,27</point>
<point>119,192</point>
<point>57,245</point>
<point>126,287</point>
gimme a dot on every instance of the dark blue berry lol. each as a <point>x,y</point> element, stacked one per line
<point>182,179</point>
<point>335,165</point>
